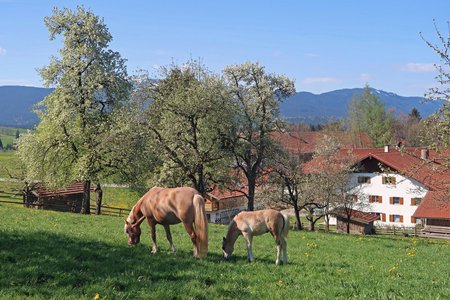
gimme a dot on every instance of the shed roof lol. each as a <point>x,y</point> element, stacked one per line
<point>41,190</point>
<point>357,215</point>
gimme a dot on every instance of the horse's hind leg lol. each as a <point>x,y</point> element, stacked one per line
<point>193,236</point>
<point>169,237</point>
<point>283,246</point>
<point>249,238</point>
<point>279,242</point>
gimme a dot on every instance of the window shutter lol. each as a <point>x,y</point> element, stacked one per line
<point>413,220</point>
<point>391,218</point>
<point>401,200</point>
<point>401,219</point>
<point>413,201</point>
<point>370,199</point>
<point>380,199</point>
<point>391,200</point>
<point>383,217</point>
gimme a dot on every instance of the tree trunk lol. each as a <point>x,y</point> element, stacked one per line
<point>327,223</point>
<point>98,200</point>
<point>86,203</point>
<point>297,219</point>
<point>348,225</point>
<point>251,194</point>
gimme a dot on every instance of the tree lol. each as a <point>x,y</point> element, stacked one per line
<point>367,113</point>
<point>1,145</point>
<point>256,96</point>
<point>90,84</point>
<point>189,115</point>
<point>332,173</point>
<point>17,134</point>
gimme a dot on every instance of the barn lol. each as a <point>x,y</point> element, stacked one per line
<point>360,222</point>
<point>67,199</point>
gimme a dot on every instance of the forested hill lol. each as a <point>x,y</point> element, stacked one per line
<point>16,103</point>
<point>312,108</point>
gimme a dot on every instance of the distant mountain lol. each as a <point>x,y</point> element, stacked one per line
<point>16,103</point>
<point>312,108</point>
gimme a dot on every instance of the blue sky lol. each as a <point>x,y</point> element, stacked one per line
<point>322,45</point>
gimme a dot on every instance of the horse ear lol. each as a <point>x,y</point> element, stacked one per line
<point>139,221</point>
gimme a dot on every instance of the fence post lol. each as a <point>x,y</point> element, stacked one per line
<point>393,229</point>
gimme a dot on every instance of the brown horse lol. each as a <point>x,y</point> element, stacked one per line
<point>251,223</point>
<point>167,206</point>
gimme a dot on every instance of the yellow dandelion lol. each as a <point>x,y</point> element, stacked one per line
<point>97,296</point>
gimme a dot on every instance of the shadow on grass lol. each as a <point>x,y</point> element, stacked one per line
<point>38,264</point>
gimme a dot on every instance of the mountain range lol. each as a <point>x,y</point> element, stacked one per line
<point>16,103</point>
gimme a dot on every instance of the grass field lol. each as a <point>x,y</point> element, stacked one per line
<point>51,255</point>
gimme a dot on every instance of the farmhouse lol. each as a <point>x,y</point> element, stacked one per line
<point>394,183</point>
<point>66,199</point>
<point>222,205</point>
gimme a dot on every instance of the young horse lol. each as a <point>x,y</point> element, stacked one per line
<point>167,206</point>
<point>251,223</point>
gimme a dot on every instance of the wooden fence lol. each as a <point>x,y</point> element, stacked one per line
<point>105,209</point>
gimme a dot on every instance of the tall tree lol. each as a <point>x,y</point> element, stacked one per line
<point>367,113</point>
<point>439,123</point>
<point>256,96</point>
<point>90,83</point>
<point>189,114</point>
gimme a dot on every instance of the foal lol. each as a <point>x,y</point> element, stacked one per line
<point>251,223</point>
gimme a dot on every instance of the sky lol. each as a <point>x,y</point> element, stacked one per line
<point>322,45</point>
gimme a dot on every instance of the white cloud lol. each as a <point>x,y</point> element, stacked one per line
<point>365,77</point>
<point>320,80</point>
<point>2,51</point>
<point>418,67</point>
<point>311,55</point>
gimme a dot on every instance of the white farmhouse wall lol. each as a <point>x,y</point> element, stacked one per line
<point>405,187</point>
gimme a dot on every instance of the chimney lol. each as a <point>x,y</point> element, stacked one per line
<point>424,154</point>
<point>386,148</point>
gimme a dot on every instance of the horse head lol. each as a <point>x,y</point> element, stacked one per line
<point>133,229</point>
<point>227,248</point>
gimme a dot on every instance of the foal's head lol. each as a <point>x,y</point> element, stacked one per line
<point>227,248</point>
<point>132,228</point>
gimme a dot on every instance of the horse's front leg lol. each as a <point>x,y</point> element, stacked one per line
<point>153,234</point>
<point>169,237</point>
<point>249,238</point>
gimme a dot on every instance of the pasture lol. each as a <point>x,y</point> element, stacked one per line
<point>46,254</point>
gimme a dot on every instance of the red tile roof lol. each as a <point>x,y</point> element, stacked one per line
<point>221,194</point>
<point>304,142</point>
<point>356,215</point>
<point>430,173</point>
<point>435,205</point>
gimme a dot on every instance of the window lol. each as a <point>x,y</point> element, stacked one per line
<point>396,218</point>
<point>363,179</point>
<point>375,199</point>
<point>415,201</point>
<point>396,200</point>
<point>388,180</point>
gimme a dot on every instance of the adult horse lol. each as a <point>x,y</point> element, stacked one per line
<point>167,206</point>
<point>251,223</point>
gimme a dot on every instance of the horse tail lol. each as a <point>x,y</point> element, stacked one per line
<point>285,225</point>
<point>201,225</point>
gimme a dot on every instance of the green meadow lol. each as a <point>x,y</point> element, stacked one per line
<point>54,255</point>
